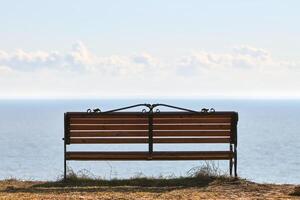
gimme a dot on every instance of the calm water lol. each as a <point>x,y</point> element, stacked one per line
<point>31,145</point>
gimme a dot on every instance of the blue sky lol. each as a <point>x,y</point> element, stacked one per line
<point>61,43</point>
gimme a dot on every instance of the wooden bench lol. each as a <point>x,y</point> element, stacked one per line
<point>151,127</point>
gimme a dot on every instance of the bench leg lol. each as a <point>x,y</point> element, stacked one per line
<point>65,162</point>
<point>65,170</point>
<point>230,166</point>
<point>230,161</point>
<point>235,162</point>
<point>235,168</point>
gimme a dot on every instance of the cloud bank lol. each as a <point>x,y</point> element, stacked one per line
<point>242,71</point>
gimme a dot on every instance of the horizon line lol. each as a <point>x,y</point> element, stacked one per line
<point>151,97</point>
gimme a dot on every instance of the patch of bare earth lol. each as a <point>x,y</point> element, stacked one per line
<point>215,189</point>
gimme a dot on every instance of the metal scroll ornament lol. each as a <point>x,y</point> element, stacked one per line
<point>151,108</point>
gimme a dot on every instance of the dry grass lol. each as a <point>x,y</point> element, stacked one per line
<point>203,183</point>
<point>143,188</point>
<point>296,191</point>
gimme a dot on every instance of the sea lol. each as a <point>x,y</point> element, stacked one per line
<point>31,145</point>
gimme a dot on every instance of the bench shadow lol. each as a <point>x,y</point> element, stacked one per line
<point>124,185</point>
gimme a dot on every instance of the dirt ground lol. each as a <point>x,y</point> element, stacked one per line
<point>239,189</point>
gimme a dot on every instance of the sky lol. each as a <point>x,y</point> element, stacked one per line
<point>140,49</point>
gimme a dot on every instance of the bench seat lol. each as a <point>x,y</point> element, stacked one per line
<point>144,155</point>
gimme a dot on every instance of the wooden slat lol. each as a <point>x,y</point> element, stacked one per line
<point>157,119</point>
<point>108,140</point>
<point>190,127</point>
<point>191,155</point>
<point>145,133</point>
<point>190,120</point>
<point>145,140</point>
<point>145,115</point>
<point>190,133</point>
<point>108,121</point>
<point>109,127</point>
<point>159,155</point>
<point>191,158</point>
<point>110,134</point>
<point>108,115</point>
<point>195,115</point>
<point>204,157</point>
<point>107,155</point>
<point>191,140</point>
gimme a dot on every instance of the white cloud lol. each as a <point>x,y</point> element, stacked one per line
<point>80,72</point>
<point>5,70</point>
<point>257,53</point>
<point>80,56</point>
<point>144,58</point>
<point>21,60</point>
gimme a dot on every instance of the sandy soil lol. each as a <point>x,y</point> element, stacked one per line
<point>12,189</point>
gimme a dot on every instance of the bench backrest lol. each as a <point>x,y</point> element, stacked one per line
<point>178,127</point>
<point>151,128</point>
<point>122,127</point>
